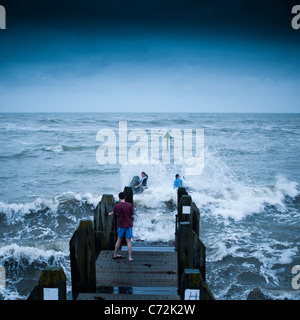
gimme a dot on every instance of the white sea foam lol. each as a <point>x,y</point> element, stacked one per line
<point>91,199</point>
<point>11,294</point>
<point>224,194</point>
<point>29,255</point>
<point>280,294</point>
<point>17,212</point>
<point>218,189</point>
<point>20,259</point>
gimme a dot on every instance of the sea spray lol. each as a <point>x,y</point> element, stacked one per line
<point>247,194</point>
<point>21,262</point>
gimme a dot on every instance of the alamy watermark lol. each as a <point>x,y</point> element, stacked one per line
<point>296,19</point>
<point>153,146</point>
<point>2,277</point>
<point>2,17</point>
<point>295,280</point>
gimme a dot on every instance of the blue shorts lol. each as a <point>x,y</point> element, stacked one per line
<point>125,231</point>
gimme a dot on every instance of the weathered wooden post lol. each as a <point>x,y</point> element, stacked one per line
<point>193,287</point>
<point>187,210</point>
<point>190,284</point>
<point>199,256</point>
<point>105,225</point>
<point>51,285</point>
<point>82,256</point>
<point>128,194</point>
<point>184,208</point>
<point>180,192</point>
<point>185,249</point>
<point>190,249</point>
<point>195,218</point>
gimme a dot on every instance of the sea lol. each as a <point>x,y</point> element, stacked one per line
<point>248,193</point>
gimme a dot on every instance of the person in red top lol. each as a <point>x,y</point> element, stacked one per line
<point>125,212</point>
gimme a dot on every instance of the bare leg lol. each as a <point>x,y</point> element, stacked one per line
<point>117,247</point>
<point>129,247</point>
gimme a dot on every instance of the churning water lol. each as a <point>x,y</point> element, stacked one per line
<point>248,195</point>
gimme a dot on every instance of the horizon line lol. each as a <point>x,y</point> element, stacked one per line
<point>158,112</point>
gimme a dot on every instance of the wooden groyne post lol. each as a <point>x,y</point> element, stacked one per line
<point>105,225</point>
<point>191,250</point>
<point>89,239</point>
<point>82,256</point>
<point>51,285</point>
<point>128,194</point>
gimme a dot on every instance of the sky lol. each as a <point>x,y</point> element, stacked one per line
<point>149,56</point>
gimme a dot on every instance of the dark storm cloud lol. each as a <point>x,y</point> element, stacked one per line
<point>208,55</point>
<point>266,16</point>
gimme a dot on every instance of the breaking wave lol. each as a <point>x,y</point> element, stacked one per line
<point>217,190</point>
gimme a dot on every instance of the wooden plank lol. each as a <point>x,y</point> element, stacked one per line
<point>149,269</point>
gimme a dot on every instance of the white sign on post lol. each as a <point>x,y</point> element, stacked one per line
<point>192,294</point>
<point>2,277</point>
<point>186,210</point>
<point>50,293</point>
